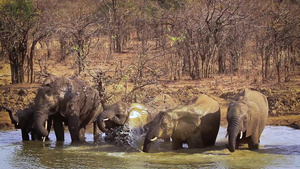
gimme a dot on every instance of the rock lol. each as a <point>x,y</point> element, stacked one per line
<point>22,92</point>
<point>295,125</point>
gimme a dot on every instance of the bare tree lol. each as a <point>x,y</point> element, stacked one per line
<point>17,19</point>
<point>81,29</point>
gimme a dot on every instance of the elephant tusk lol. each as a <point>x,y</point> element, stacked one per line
<point>105,119</point>
<point>241,135</point>
<point>46,123</point>
<point>155,138</point>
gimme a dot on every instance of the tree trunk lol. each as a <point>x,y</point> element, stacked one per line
<point>267,65</point>
<point>16,67</point>
<point>221,64</point>
<point>30,62</point>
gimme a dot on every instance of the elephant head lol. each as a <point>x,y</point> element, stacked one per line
<point>246,118</point>
<point>47,103</point>
<point>22,119</point>
<point>237,118</point>
<point>115,115</point>
<point>161,127</point>
<point>13,117</point>
<point>52,97</point>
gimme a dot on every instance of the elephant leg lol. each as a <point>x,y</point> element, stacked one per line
<point>82,134</point>
<point>59,129</point>
<point>25,135</point>
<point>237,142</point>
<point>34,135</point>
<point>73,125</point>
<point>253,142</point>
<point>176,144</point>
<point>196,141</point>
<point>167,139</point>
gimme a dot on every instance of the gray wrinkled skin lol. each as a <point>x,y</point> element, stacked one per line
<point>195,123</point>
<point>69,100</point>
<point>247,118</point>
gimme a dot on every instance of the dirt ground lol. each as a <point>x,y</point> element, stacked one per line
<point>284,99</point>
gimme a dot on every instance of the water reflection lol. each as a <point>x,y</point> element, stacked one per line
<point>280,148</point>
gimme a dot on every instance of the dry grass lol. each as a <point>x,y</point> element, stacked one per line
<point>182,90</point>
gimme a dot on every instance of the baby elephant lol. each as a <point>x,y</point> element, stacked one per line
<point>247,118</point>
<point>23,119</point>
<point>195,123</point>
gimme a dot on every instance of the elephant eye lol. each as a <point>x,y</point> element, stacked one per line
<point>48,92</point>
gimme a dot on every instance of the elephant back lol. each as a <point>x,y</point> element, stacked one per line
<point>257,98</point>
<point>138,115</point>
<point>88,99</point>
<point>202,105</point>
<point>162,102</point>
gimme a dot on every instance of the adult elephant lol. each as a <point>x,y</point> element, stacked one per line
<point>247,117</point>
<point>69,100</point>
<point>195,123</point>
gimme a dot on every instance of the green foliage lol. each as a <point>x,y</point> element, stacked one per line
<point>17,19</point>
<point>170,4</point>
<point>75,47</point>
<point>176,39</point>
<point>18,9</point>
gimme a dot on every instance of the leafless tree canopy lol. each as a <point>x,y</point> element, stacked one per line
<point>169,38</point>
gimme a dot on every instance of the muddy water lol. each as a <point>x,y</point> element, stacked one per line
<point>280,148</point>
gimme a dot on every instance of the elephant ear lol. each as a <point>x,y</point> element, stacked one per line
<point>186,125</point>
<point>49,80</point>
<point>66,95</point>
<point>252,118</point>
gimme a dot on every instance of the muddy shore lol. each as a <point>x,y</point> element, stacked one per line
<point>284,107</point>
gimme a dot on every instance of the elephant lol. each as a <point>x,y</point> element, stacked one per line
<point>247,118</point>
<point>119,113</point>
<point>129,132</point>
<point>23,119</point>
<point>196,123</point>
<point>70,100</point>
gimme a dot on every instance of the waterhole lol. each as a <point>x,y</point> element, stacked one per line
<point>279,148</point>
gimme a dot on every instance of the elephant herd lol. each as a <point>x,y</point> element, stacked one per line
<point>63,101</point>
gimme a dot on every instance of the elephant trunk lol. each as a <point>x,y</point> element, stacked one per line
<point>147,145</point>
<point>13,118</point>
<point>39,121</point>
<point>233,131</point>
<point>101,124</point>
<point>151,136</point>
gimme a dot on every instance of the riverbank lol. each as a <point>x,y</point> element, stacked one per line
<point>283,99</point>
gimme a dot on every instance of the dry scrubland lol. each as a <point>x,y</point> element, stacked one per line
<point>181,48</point>
<point>283,99</point>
